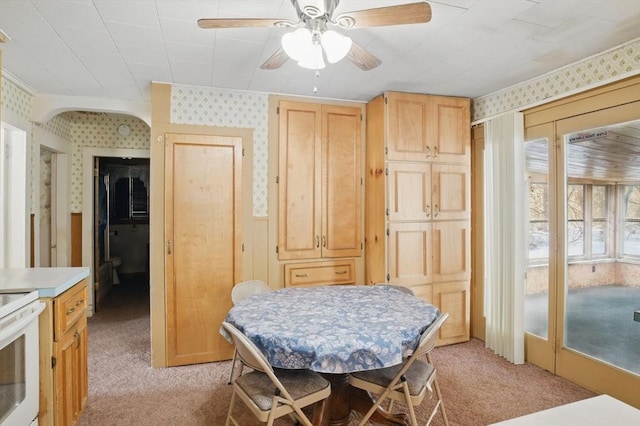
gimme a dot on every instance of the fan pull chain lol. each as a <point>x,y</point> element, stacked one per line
<point>315,88</point>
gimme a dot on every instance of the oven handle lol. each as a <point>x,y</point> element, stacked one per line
<point>9,334</point>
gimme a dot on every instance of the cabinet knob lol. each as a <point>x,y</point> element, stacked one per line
<point>428,152</point>
<point>435,152</point>
<point>435,211</point>
<point>302,275</point>
<point>317,241</point>
<point>428,210</point>
<point>70,310</point>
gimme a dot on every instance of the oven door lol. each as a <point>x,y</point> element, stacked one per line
<point>19,376</point>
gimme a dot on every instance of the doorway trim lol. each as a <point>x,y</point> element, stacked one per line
<point>88,156</point>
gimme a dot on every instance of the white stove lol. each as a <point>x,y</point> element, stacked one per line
<point>19,384</point>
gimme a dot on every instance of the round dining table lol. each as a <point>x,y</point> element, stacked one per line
<point>335,330</point>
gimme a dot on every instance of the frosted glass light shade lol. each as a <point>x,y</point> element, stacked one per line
<point>335,45</point>
<point>312,58</point>
<point>297,43</point>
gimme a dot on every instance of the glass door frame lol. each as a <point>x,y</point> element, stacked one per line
<point>570,364</point>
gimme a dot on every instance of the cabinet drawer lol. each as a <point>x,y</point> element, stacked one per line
<point>320,273</point>
<point>69,306</point>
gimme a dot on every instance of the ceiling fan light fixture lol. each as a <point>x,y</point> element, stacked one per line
<point>297,43</point>
<point>312,58</point>
<point>335,45</point>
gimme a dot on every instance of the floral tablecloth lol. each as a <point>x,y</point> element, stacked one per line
<point>334,329</point>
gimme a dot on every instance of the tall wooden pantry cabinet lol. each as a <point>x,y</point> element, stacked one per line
<point>319,192</point>
<point>417,226</point>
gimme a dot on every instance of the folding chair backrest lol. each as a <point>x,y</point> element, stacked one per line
<point>430,335</point>
<point>245,289</point>
<point>247,350</point>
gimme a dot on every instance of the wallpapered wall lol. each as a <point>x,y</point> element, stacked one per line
<point>229,108</point>
<point>232,108</point>
<point>99,130</point>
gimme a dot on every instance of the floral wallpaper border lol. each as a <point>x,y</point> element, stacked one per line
<point>617,63</point>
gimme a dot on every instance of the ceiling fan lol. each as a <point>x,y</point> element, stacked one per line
<point>315,35</point>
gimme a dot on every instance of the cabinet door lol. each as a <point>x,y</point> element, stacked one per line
<point>451,251</point>
<point>342,181</point>
<point>407,127</point>
<point>299,180</point>
<point>449,129</point>
<point>410,257</point>
<point>453,298</point>
<point>409,191</point>
<point>451,195</point>
<point>71,385</point>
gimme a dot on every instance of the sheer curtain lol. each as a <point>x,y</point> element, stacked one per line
<point>504,239</point>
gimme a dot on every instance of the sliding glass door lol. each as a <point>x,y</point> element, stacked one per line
<point>583,270</point>
<point>598,341</point>
<point>539,299</point>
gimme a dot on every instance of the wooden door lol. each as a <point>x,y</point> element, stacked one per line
<point>342,181</point>
<point>410,257</point>
<point>451,196</point>
<point>449,129</point>
<point>409,191</point>
<point>299,180</point>
<point>203,181</point>
<point>407,127</point>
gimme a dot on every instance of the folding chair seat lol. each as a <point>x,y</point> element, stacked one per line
<point>407,382</point>
<point>272,393</point>
<point>241,291</point>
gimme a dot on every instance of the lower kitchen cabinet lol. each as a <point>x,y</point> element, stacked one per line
<point>63,357</point>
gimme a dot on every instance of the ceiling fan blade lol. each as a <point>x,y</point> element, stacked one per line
<point>412,13</point>
<point>276,60</point>
<point>362,58</point>
<point>242,23</point>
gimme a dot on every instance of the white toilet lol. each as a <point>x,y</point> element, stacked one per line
<point>115,263</point>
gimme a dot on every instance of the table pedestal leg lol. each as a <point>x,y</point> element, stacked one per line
<point>344,398</point>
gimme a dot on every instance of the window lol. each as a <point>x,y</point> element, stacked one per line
<point>575,220</point>
<point>599,208</point>
<point>630,214</point>
<point>538,222</point>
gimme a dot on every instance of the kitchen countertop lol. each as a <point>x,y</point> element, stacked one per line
<point>50,282</point>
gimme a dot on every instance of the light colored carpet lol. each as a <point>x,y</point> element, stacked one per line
<point>478,386</point>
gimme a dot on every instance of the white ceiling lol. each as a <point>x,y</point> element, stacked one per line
<point>114,48</point>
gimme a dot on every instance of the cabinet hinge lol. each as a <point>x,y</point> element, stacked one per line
<point>388,277</point>
<point>277,179</point>
<point>360,117</point>
<point>387,232</point>
<point>277,249</point>
<point>278,110</point>
<point>361,181</point>
<point>386,171</point>
<point>361,246</point>
<point>385,100</point>
<point>53,361</point>
<point>387,212</point>
<point>243,152</point>
<point>386,150</point>
<point>243,247</point>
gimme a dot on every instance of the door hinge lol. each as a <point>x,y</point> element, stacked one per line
<point>53,361</point>
<point>243,152</point>
<point>360,117</point>
<point>277,249</point>
<point>361,181</point>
